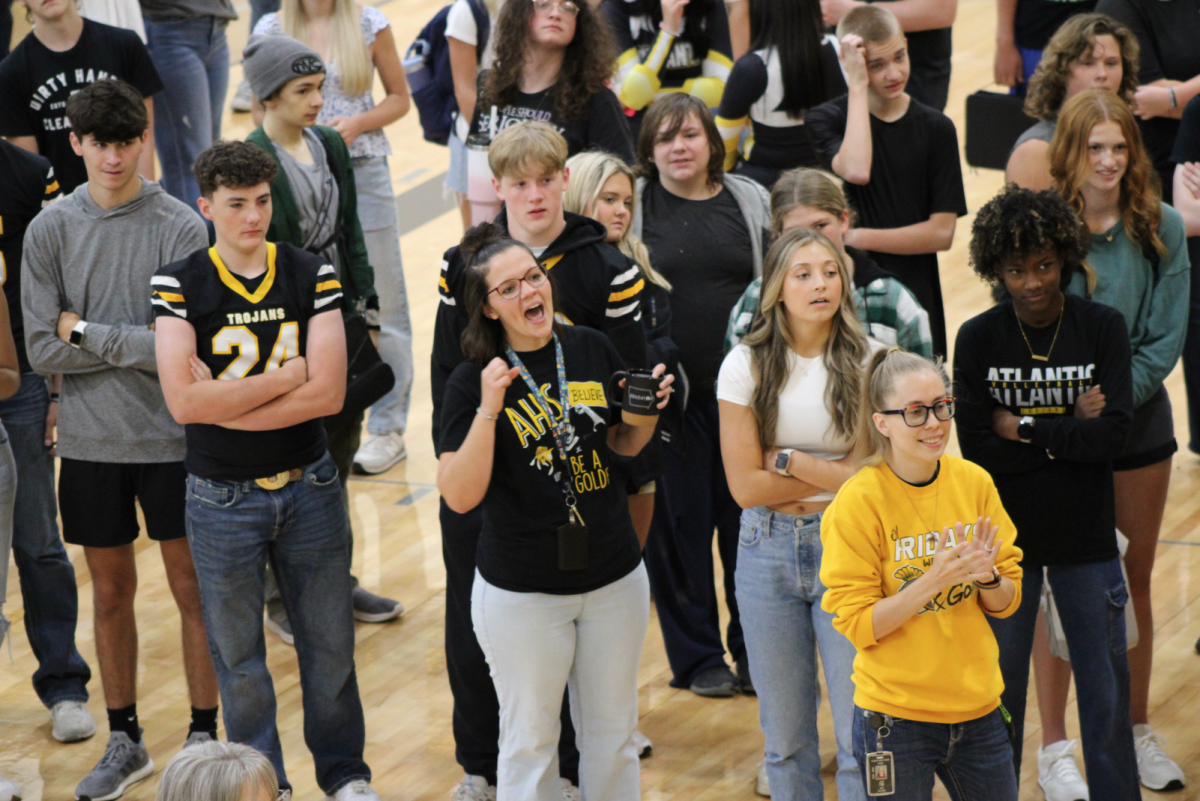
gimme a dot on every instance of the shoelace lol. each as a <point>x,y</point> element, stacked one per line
<point>359,786</point>
<point>1064,768</point>
<point>115,755</point>
<point>1152,744</point>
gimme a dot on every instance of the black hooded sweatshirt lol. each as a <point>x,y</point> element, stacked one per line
<point>595,285</point>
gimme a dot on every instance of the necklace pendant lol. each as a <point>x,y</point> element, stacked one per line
<point>1039,358</point>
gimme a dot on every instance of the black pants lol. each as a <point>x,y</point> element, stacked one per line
<point>692,499</point>
<point>1191,351</point>
<point>476,710</point>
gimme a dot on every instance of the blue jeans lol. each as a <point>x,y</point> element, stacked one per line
<point>973,759</point>
<point>1091,602</point>
<point>377,213</point>
<point>779,594</point>
<point>47,576</point>
<point>192,58</point>
<point>233,528</point>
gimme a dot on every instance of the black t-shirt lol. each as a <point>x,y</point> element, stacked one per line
<point>524,507</point>
<point>1062,506</point>
<point>756,89</point>
<point>1168,33</point>
<point>26,185</point>
<point>603,128</point>
<point>244,327</point>
<point>703,248</point>
<point>1187,143</point>
<point>1037,20</point>
<point>915,173</point>
<point>35,83</point>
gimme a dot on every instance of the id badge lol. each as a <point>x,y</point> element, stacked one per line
<point>881,774</point>
<point>572,547</point>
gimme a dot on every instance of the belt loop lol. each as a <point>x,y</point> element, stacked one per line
<point>767,524</point>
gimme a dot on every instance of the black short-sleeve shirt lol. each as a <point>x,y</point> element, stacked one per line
<point>27,184</point>
<point>524,507</point>
<point>1187,143</point>
<point>1168,33</point>
<point>915,173</point>
<point>36,81</point>
<point>245,327</point>
<point>1037,20</point>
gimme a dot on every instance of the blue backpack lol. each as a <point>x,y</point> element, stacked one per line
<point>427,64</point>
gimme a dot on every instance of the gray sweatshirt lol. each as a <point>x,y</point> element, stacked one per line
<point>98,264</point>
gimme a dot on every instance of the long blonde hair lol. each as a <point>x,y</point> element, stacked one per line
<point>884,369</point>
<point>590,171</point>
<point>355,70</point>
<point>771,342</point>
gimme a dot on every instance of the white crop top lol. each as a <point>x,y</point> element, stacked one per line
<point>804,421</point>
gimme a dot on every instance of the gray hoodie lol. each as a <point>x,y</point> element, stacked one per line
<point>98,264</point>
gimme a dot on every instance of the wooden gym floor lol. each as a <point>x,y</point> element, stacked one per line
<point>703,749</point>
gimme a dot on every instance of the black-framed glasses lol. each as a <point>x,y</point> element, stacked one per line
<point>916,415</point>
<point>510,289</point>
<point>565,6</point>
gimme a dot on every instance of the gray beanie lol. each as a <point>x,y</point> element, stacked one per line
<point>269,62</point>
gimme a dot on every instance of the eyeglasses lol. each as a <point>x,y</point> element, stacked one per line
<point>565,6</point>
<point>510,289</point>
<point>917,414</point>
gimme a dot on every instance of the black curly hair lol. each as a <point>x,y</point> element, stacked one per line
<point>233,164</point>
<point>1019,222</point>
<point>110,110</point>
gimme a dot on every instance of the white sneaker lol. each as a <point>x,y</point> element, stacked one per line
<point>9,791</point>
<point>1058,775</point>
<point>379,453</point>
<point>357,790</point>
<point>642,743</point>
<point>570,791</point>
<point>762,785</point>
<point>473,788</point>
<point>1156,770</point>
<point>241,98</point>
<point>72,722</point>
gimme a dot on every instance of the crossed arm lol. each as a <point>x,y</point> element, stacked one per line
<point>302,389</point>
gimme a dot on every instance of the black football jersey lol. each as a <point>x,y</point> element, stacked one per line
<point>245,327</point>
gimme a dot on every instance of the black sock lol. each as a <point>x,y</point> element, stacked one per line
<point>126,720</point>
<point>204,720</point>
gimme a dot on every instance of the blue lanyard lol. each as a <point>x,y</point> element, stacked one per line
<point>561,430</point>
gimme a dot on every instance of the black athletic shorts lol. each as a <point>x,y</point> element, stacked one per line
<point>96,500</point>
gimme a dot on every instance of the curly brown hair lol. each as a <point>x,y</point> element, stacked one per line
<point>233,164</point>
<point>1020,222</point>
<point>1141,197</point>
<point>590,60</point>
<point>1073,41</point>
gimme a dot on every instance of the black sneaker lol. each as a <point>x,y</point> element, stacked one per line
<point>743,674</point>
<point>715,682</point>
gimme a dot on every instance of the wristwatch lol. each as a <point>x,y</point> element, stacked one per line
<point>1025,430</point>
<point>781,461</point>
<point>77,334</point>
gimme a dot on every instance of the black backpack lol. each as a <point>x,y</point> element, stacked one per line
<point>427,64</point>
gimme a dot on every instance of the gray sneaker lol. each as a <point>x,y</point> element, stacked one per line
<point>124,763</point>
<point>72,721</point>
<point>278,624</point>
<point>241,98</point>
<point>198,738</point>
<point>372,608</point>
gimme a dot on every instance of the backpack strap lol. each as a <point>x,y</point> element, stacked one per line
<point>483,27</point>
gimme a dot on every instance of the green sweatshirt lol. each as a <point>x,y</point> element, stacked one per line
<point>358,278</point>
<point>1155,308</point>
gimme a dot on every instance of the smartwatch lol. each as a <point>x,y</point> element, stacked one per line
<point>1025,430</point>
<point>781,461</point>
<point>77,334</point>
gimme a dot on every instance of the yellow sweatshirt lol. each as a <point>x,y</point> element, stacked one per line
<point>942,665</point>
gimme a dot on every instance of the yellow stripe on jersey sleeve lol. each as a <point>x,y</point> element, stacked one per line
<point>321,287</point>
<point>627,293</point>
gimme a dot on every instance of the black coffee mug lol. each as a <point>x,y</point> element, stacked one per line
<point>639,402</point>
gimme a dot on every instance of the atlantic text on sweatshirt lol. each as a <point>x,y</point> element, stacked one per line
<point>98,264</point>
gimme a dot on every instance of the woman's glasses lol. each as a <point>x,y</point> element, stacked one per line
<point>565,6</point>
<point>510,289</point>
<point>917,414</point>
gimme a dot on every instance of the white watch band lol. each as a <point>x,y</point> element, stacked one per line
<point>79,328</point>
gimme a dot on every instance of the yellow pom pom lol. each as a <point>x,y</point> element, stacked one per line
<point>708,90</point>
<point>639,88</point>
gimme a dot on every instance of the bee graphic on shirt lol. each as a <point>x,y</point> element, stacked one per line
<point>543,457</point>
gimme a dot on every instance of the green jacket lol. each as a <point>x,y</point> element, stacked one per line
<point>358,277</point>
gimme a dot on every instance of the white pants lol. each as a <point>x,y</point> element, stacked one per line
<point>536,644</point>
